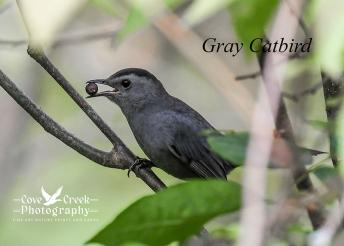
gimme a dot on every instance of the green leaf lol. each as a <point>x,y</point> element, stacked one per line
<point>135,20</point>
<point>173,214</point>
<point>318,124</point>
<point>231,146</point>
<point>329,176</point>
<point>250,18</point>
<point>325,173</point>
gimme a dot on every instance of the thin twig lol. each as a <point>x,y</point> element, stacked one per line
<point>12,43</point>
<point>300,19</point>
<point>38,55</point>
<point>283,124</point>
<point>69,39</point>
<point>309,91</point>
<point>53,128</point>
<point>117,158</point>
<point>256,74</point>
<point>332,89</point>
<point>247,76</point>
<point>120,151</point>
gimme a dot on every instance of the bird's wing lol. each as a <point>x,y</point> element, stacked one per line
<point>57,193</point>
<point>45,195</point>
<point>190,148</point>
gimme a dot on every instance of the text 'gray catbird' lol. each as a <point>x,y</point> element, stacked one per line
<point>167,129</point>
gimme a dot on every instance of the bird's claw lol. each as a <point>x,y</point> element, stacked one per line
<point>139,163</point>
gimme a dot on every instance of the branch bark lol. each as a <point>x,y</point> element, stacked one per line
<point>332,92</point>
<point>119,157</point>
<point>72,38</point>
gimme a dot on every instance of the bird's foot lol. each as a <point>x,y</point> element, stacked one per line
<point>140,163</point>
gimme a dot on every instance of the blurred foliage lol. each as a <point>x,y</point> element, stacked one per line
<point>109,6</point>
<point>325,172</point>
<point>136,13</point>
<point>318,124</point>
<point>200,10</point>
<point>250,18</point>
<point>329,49</point>
<point>180,211</point>
<point>230,232</point>
<point>340,140</point>
<point>172,4</point>
<point>173,214</point>
<point>135,20</point>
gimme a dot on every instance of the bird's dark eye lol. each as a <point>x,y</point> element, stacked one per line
<point>126,83</point>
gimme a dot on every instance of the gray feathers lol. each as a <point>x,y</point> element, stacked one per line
<point>167,129</point>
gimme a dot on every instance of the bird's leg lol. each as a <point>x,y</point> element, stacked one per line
<point>140,163</point>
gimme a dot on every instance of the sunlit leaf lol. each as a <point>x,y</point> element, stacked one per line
<point>173,214</point>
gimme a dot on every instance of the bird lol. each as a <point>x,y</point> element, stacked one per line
<point>51,199</point>
<point>167,129</point>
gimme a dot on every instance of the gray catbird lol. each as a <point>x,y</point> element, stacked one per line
<point>167,129</point>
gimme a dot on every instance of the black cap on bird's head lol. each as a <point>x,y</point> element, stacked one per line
<point>130,86</point>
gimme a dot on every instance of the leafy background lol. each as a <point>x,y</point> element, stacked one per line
<point>29,158</point>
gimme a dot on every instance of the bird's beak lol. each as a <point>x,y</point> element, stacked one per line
<point>101,93</point>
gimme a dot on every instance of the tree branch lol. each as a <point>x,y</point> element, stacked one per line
<point>38,55</point>
<point>309,91</point>
<point>283,125</point>
<point>119,157</point>
<point>52,127</point>
<point>332,92</point>
<point>332,89</point>
<point>256,74</point>
<point>70,39</point>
